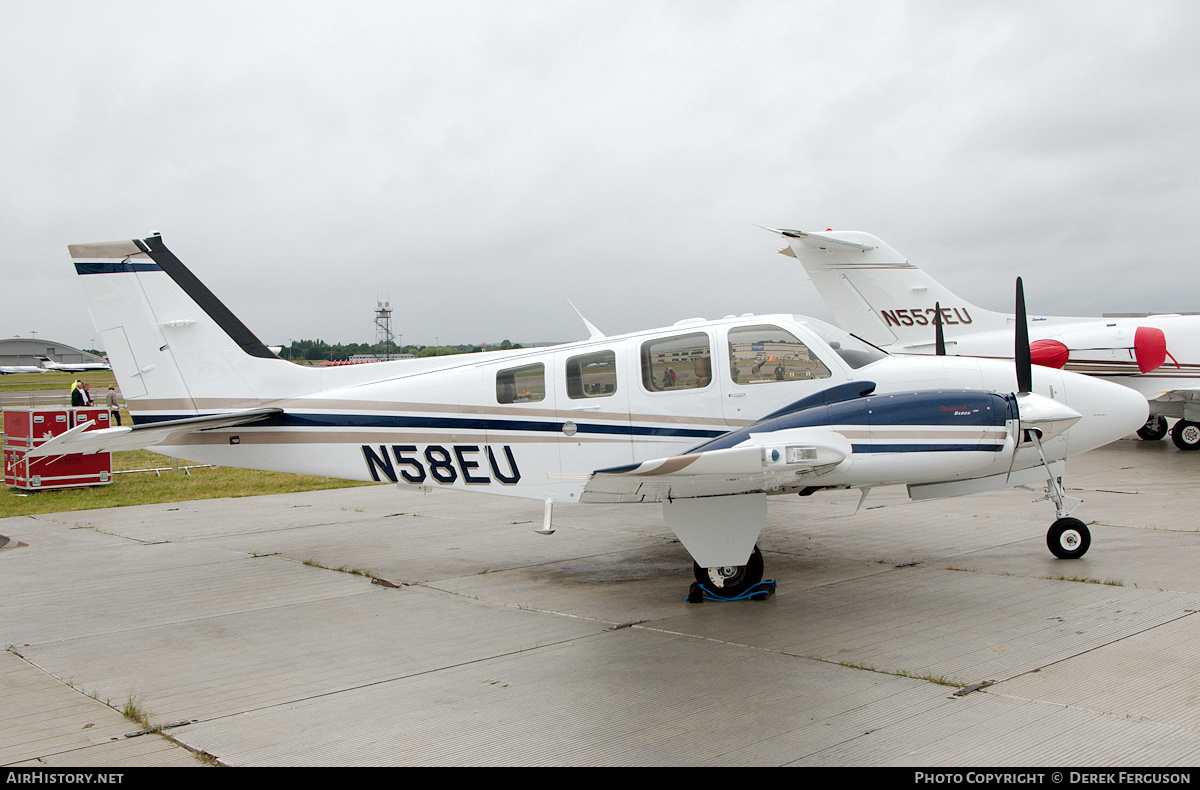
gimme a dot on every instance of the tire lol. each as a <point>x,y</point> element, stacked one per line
<point>1154,429</point>
<point>1186,435</point>
<point>738,580</point>
<point>1068,539</point>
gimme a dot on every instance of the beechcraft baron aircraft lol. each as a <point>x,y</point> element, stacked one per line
<point>875,293</point>
<point>706,417</point>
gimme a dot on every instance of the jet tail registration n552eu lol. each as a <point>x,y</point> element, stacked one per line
<point>710,418</point>
<point>876,293</point>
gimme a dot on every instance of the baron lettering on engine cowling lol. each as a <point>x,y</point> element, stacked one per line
<point>468,462</point>
<point>924,317</point>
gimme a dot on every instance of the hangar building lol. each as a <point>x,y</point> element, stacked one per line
<point>26,350</point>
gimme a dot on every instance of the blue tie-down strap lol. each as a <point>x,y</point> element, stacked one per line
<point>759,592</point>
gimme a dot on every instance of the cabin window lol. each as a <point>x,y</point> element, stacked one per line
<point>525,384</point>
<point>767,354</point>
<point>592,375</point>
<point>677,363</point>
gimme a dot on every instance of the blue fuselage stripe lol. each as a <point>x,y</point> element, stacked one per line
<point>453,423</point>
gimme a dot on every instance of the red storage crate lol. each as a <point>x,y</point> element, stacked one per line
<point>26,428</point>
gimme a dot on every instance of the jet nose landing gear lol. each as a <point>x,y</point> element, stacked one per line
<point>731,583</point>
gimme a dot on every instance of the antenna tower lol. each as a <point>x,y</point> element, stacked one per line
<point>383,327</point>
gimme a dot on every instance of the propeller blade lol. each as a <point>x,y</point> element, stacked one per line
<point>939,338</point>
<point>1021,354</point>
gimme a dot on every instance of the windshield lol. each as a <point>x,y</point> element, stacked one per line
<point>854,351</point>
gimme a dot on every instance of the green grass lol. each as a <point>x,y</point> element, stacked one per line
<point>145,488</point>
<point>140,488</point>
<point>98,381</point>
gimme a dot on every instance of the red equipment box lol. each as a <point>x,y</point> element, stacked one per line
<point>27,428</point>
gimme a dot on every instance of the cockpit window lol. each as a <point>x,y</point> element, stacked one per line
<point>764,353</point>
<point>854,352</point>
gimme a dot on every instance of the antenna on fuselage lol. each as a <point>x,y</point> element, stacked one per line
<point>593,332</point>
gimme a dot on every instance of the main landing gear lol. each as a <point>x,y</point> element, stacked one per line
<point>1154,429</point>
<point>1186,435</point>
<point>732,582</point>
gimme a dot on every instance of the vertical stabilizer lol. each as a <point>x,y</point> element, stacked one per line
<point>174,347</point>
<point>877,294</point>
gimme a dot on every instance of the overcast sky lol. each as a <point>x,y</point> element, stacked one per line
<point>480,163</point>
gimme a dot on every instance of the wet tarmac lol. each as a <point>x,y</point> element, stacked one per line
<point>376,626</point>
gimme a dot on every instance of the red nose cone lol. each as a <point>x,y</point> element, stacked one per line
<point>1149,348</point>
<point>1048,353</point>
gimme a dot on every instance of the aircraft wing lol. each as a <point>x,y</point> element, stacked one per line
<point>80,440</point>
<point>1184,394</point>
<point>770,462</point>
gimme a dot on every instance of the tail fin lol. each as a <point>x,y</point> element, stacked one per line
<point>875,293</point>
<point>174,347</point>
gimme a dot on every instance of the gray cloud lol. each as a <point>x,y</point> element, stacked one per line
<point>479,163</point>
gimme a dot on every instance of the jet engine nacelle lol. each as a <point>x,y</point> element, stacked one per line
<point>1147,345</point>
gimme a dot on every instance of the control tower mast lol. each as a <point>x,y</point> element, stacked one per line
<point>383,327</point>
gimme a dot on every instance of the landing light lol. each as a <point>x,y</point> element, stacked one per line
<point>792,455</point>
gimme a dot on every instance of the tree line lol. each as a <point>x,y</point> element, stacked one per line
<point>318,350</point>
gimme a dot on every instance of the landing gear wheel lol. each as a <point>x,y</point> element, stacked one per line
<point>1068,539</point>
<point>1154,429</point>
<point>737,578</point>
<point>1186,435</point>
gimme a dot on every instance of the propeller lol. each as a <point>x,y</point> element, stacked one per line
<point>1038,417</point>
<point>1021,354</point>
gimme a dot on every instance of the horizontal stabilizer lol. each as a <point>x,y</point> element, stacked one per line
<point>821,242</point>
<point>82,441</point>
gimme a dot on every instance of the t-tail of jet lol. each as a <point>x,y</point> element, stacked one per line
<point>875,293</point>
<point>174,348</point>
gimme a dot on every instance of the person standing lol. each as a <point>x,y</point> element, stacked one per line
<point>114,407</point>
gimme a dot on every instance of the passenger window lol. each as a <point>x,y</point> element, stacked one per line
<point>592,375</point>
<point>677,363</point>
<point>762,354</point>
<point>521,385</point>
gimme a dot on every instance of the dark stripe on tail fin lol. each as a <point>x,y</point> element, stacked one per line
<point>205,298</point>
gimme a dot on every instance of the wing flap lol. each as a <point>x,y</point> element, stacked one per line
<point>83,441</point>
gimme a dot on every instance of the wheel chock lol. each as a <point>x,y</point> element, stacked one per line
<point>699,593</point>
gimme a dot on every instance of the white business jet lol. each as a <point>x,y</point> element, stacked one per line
<point>73,367</point>
<point>707,417</point>
<point>876,293</point>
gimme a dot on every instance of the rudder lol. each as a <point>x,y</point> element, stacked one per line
<point>876,293</point>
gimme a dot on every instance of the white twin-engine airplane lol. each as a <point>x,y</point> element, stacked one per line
<point>876,293</point>
<point>707,417</point>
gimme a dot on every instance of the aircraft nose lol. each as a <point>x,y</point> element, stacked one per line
<point>1134,409</point>
<point>1111,411</point>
